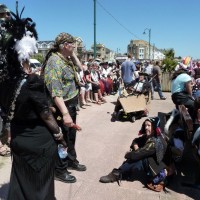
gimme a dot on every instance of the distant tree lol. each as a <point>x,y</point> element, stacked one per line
<point>169,63</point>
<point>169,53</point>
<point>179,57</point>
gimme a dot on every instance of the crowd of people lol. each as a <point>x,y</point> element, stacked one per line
<point>40,111</point>
<point>155,152</point>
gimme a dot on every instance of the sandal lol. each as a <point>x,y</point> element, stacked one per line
<point>4,151</point>
<point>157,188</point>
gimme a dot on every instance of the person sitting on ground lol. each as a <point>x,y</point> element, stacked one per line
<point>146,154</point>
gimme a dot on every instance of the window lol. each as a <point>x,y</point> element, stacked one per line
<point>141,56</point>
<point>44,46</point>
<point>141,50</point>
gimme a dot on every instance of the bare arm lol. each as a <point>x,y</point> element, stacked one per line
<point>90,81</point>
<point>76,61</point>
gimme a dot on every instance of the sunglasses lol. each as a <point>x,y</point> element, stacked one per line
<point>70,43</point>
<point>8,14</point>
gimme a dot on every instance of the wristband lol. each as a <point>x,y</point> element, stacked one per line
<point>58,134</point>
<point>66,113</point>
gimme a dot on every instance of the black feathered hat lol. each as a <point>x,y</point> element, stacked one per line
<point>18,41</point>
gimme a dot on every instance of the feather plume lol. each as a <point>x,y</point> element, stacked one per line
<point>25,47</point>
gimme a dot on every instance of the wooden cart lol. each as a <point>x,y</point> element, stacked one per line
<point>135,106</point>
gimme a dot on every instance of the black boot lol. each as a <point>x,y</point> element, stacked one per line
<point>113,176</point>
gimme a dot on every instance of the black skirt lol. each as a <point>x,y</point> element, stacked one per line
<point>34,151</point>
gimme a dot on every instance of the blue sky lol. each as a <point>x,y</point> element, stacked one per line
<point>173,23</point>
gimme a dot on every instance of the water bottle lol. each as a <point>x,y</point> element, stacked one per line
<point>62,151</point>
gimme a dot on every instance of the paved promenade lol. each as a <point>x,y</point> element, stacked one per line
<point>101,146</point>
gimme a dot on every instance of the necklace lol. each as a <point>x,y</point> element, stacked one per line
<point>12,106</point>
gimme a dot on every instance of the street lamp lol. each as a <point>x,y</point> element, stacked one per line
<point>149,39</point>
<point>95,45</point>
<point>118,50</point>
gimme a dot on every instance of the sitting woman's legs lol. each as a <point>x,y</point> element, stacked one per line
<point>128,166</point>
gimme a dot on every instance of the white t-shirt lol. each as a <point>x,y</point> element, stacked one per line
<point>149,69</point>
<point>138,86</point>
<point>107,71</point>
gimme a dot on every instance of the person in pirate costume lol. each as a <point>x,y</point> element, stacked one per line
<point>147,154</point>
<point>63,85</point>
<point>33,127</point>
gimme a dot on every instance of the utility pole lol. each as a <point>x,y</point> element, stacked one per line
<point>149,40</point>
<point>95,46</point>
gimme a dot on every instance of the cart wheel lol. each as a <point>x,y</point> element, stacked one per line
<point>133,119</point>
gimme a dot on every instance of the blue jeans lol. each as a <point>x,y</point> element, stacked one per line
<point>157,86</point>
<point>140,165</point>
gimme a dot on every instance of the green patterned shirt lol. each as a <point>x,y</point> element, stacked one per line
<point>59,77</point>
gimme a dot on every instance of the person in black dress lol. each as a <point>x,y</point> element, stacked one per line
<point>33,127</point>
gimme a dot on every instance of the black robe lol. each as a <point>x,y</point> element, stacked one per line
<point>33,148</point>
